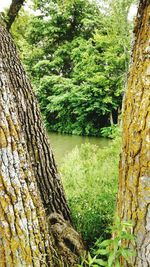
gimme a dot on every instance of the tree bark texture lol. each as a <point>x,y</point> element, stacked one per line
<point>35,227</point>
<point>41,156</point>
<point>13,11</point>
<point>24,238</point>
<point>134,181</point>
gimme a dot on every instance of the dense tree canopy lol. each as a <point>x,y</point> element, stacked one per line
<point>78,58</point>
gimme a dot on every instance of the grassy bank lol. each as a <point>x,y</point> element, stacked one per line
<point>90,178</point>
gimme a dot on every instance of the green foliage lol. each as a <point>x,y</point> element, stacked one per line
<point>77,57</point>
<point>109,252</point>
<point>111,132</point>
<point>90,178</point>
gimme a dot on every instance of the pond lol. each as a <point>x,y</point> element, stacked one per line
<point>62,144</point>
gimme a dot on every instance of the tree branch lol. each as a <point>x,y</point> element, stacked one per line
<point>13,11</point>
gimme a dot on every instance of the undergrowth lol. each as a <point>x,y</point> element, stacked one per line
<point>115,251</point>
<point>90,178</point>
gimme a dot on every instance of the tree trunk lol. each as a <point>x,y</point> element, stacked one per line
<point>134,182</point>
<point>111,119</point>
<point>13,11</point>
<point>41,156</point>
<point>34,216</point>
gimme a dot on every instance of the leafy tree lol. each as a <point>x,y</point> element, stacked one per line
<point>78,59</point>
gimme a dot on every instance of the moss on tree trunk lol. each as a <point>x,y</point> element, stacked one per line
<point>35,228</point>
<point>134,182</point>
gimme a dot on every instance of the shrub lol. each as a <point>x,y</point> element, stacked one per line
<point>111,131</point>
<point>90,177</point>
<point>112,252</point>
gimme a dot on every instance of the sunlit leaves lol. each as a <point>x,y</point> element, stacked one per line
<point>77,57</point>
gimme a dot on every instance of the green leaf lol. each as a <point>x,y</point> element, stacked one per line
<point>117,263</point>
<point>111,259</point>
<point>124,253</point>
<point>102,251</point>
<point>127,253</point>
<point>101,262</point>
<point>90,259</point>
<point>105,243</point>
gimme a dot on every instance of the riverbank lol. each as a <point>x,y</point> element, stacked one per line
<point>89,172</point>
<point>62,144</point>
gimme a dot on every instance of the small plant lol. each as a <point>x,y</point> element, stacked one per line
<point>111,131</point>
<point>109,252</point>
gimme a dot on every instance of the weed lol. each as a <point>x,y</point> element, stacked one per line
<point>90,178</point>
<point>112,252</point>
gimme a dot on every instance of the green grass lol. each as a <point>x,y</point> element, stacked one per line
<point>90,178</point>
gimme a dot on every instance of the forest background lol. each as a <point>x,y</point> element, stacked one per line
<point>77,56</point>
<point>76,53</point>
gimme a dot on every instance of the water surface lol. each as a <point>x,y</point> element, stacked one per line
<point>62,144</point>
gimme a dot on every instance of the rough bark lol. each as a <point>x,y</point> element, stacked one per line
<point>13,11</point>
<point>41,156</point>
<point>134,181</point>
<point>24,238</point>
<point>34,216</point>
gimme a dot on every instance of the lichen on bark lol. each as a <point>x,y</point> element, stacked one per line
<point>134,181</point>
<point>30,187</point>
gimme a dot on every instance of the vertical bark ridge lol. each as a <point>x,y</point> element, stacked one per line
<point>134,182</point>
<point>41,156</point>
<point>24,236</point>
<point>34,216</point>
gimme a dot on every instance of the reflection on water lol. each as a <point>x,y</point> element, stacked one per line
<point>62,144</point>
